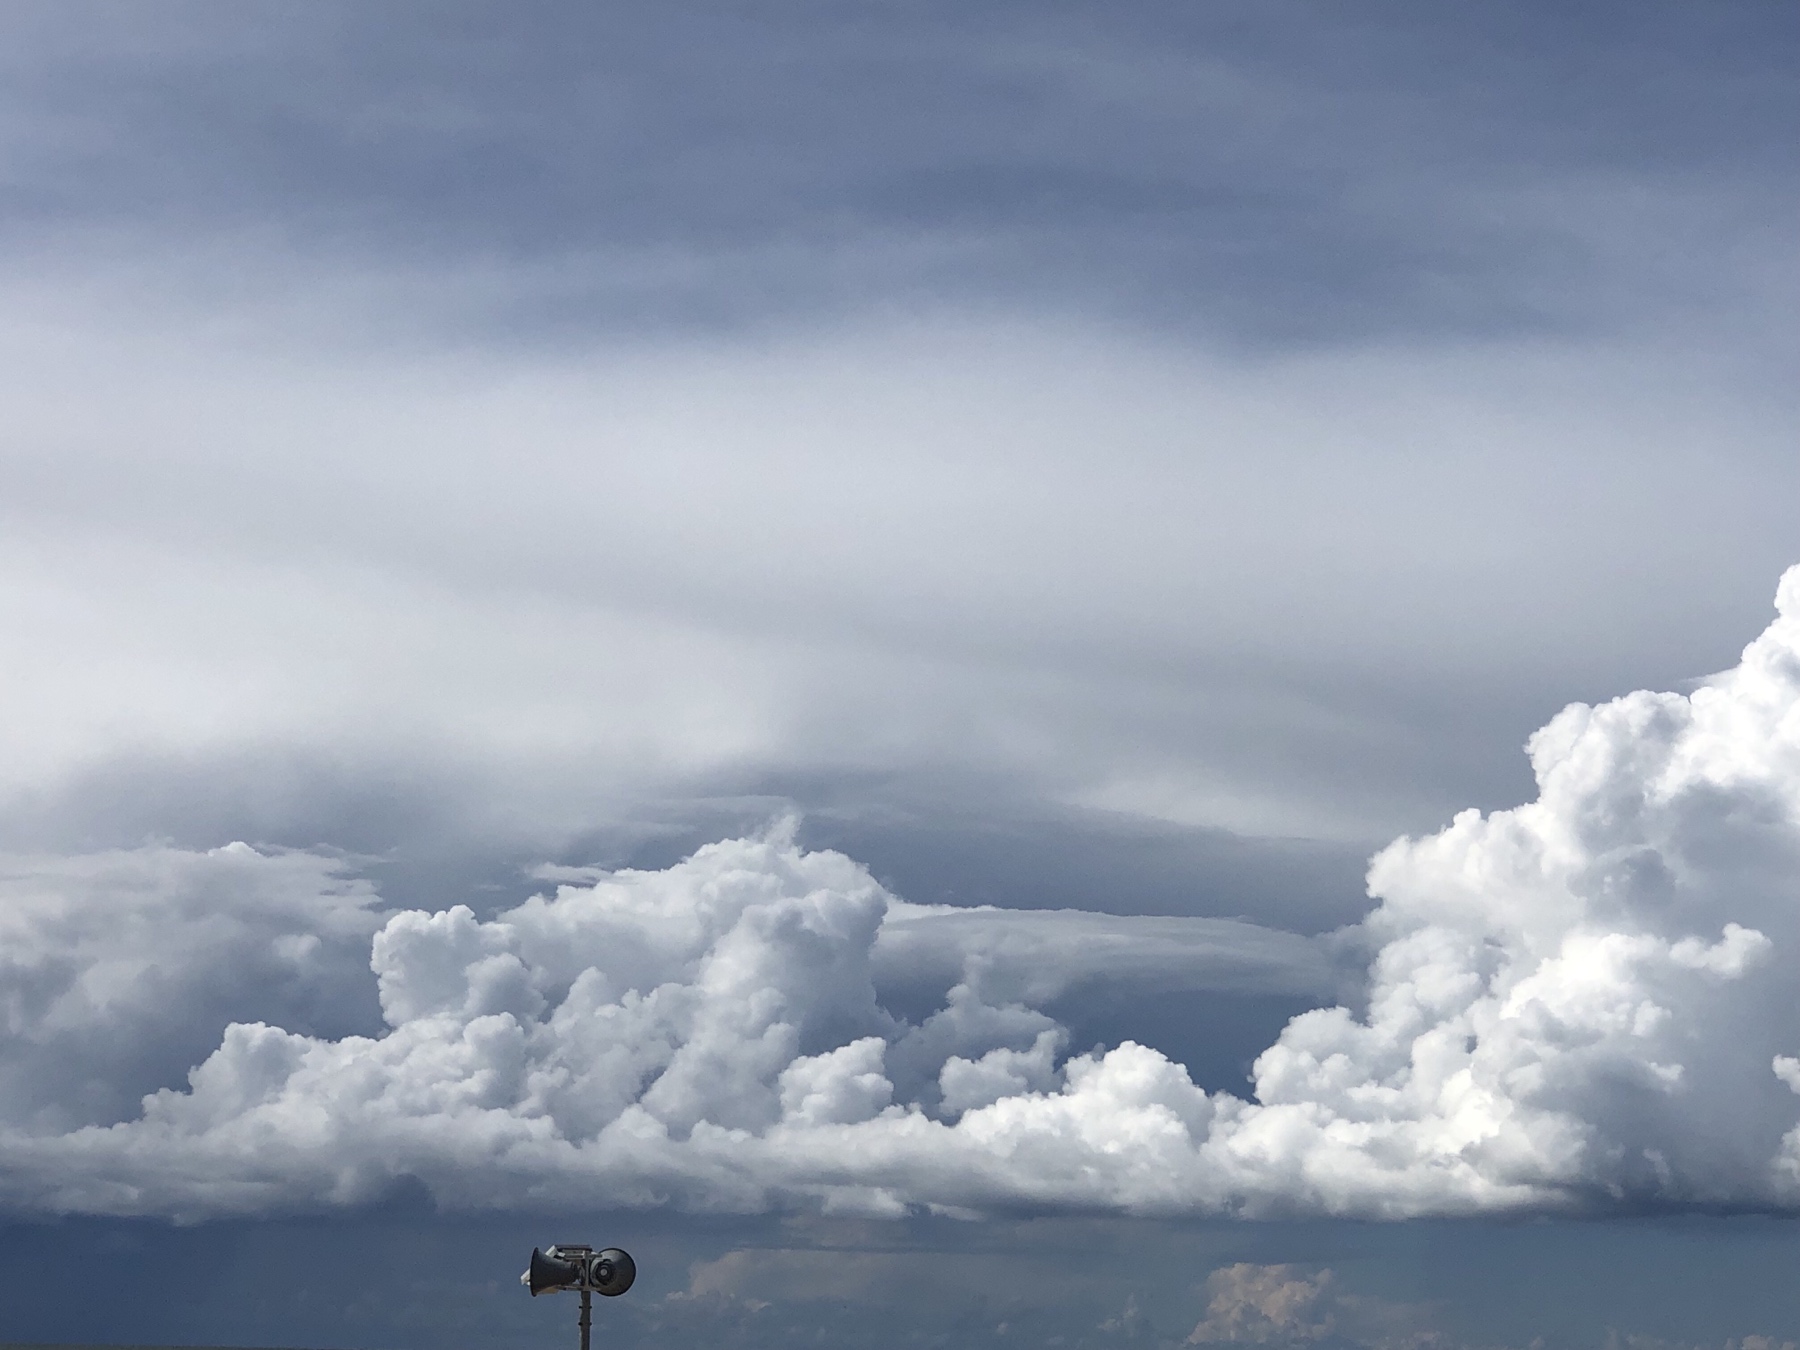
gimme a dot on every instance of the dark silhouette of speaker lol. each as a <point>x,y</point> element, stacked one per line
<point>608,1272</point>
<point>549,1272</point>
<point>611,1272</point>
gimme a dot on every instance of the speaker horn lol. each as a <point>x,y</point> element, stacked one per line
<point>611,1272</point>
<point>546,1273</point>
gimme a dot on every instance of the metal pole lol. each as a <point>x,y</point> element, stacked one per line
<point>587,1307</point>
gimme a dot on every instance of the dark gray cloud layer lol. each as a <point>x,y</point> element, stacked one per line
<point>414,1281</point>
<point>1267,173</point>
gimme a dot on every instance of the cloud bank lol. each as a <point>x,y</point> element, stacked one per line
<point>1583,1002</point>
<point>117,969</point>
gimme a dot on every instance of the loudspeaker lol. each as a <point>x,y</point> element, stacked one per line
<point>611,1272</point>
<point>547,1273</point>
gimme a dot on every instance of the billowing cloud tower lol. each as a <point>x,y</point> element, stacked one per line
<point>1586,1001</point>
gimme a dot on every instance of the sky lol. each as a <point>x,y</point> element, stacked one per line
<point>993,675</point>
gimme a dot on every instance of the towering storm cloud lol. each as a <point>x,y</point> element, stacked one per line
<point>1582,1002</point>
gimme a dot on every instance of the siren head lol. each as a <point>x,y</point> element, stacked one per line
<point>548,1272</point>
<point>611,1272</point>
<point>565,1266</point>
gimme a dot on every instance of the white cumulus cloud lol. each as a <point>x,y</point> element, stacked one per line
<point>1586,1000</point>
